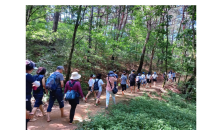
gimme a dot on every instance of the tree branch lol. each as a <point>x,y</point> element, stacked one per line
<point>79,40</point>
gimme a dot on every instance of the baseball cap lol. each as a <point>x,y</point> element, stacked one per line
<point>133,70</point>
<point>60,68</point>
<point>30,64</point>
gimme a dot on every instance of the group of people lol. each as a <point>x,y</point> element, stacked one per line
<point>171,76</point>
<point>36,85</point>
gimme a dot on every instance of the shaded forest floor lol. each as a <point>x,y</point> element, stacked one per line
<point>84,109</point>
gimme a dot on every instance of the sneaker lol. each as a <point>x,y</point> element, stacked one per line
<point>98,102</point>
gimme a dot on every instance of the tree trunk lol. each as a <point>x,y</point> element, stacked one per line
<point>55,23</point>
<point>152,56</point>
<point>144,48</point>
<point>90,35</point>
<point>73,43</point>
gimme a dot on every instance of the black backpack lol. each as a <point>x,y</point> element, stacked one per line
<point>96,85</point>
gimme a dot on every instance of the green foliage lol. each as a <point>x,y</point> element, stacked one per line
<point>147,114</point>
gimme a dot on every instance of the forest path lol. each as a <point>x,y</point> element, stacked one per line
<point>83,108</point>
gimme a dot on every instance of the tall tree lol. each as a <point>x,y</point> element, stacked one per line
<point>90,33</point>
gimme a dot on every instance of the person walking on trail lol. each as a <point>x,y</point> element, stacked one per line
<point>169,76</point>
<point>174,76</point>
<point>91,82</point>
<point>143,79</point>
<point>138,80</point>
<point>74,84</point>
<point>149,77</point>
<point>154,76</point>
<point>57,93</point>
<point>111,78</point>
<point>123,82</point>
<point>38,92</point>
<point>132,79</point>
<point>115,73</point>
<point>97,87</point>
<point>30,83</point>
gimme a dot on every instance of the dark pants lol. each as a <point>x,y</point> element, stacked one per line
<point>138,83</point>
<point>38,98</point>
<point>123,87</point>
<point>53,96</point>
<point>28,108</point>
<point>73,104</point>
<point>174,78</point>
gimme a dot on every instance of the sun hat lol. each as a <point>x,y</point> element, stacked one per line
<point>75,75</point>
<point>60,68</point>
<point>111,74</point>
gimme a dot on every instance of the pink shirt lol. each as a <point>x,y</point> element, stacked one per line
<point>76,87</point>
<point>112,80</point>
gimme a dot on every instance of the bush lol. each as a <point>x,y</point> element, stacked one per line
<point>147,114</point>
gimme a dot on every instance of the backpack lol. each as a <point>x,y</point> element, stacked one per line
<point>114,90</point>
<point>71,94</point>
<point>96,85</point>
<point>131,77</point>
<point>50,83</point>
<point>38,78</point>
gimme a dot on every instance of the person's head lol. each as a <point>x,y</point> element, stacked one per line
<point>41,71</point>
<point>124,72</point>
<point>30,65</point>
<point>133,71</point>
<point>139,74</point>
<point>98,76</point>
<point>91,76</point>
<point>115,71</point>
<point>143,72</point>
<point>149,73</point>
<point>75,76</point>
<point>60,69</point>
<point>111,74</point>
<point>155,73</point>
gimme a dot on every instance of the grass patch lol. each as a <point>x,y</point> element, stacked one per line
<point>147,114</point>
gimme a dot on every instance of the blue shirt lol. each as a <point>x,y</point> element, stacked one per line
<point>116,77</point>
<point>59,78</point>
<point>123,79</point>
<point>40,88</point>
<point>29,81</point>
<point>174,74</point>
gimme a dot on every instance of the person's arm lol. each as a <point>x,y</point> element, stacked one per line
<point>62,84</point>
<point>66,88</point>
<point>62,80</point>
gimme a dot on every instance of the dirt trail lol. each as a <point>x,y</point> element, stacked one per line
<point>83,109</point>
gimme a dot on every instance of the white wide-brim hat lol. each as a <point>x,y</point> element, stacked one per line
<point>75,75</point>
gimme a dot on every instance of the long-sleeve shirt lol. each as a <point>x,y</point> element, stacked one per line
<point>76,87</point>
<point>112,80</point>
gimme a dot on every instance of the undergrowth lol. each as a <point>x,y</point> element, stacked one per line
<point>147,114</point>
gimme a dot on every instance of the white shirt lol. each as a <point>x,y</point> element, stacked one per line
<point>169,75</point>
<point>148,76</point>
<point>154,76</point>
<point>143,77</point>
<point>91,82</point>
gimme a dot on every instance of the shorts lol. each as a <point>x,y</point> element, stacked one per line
<point>132,83</point>
<point>155,80</point>
<point>144,82</point>
<point>148,81</point>
<point>38,100</point>
<point>123,87</point>
<point>90,88</point>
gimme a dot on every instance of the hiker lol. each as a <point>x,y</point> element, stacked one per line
<point>57,92</point>
<point>30,83</point>
<point>111,78</point>
<point>171,72</point>
<point>38,92</point>
<point>115,73</point>
<point>174,76</point>
<point>123,82</point>
<point>169,76</point>
<point>138,80</point>
<point>97,87</point>
<point>143,79</point>
<point>149,77</point>
<point>154,76</point>
<point>91,82</point>
<point>132,79</point>
<point>74,84</point>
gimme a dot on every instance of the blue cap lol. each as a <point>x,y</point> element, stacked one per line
<point>154,72</point>
<point>143,72</point>
<point>60,68</point>
<point>111,74</point>
<point>139,74</point>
